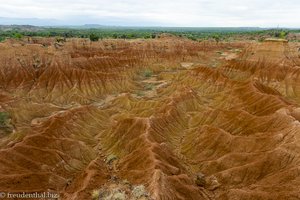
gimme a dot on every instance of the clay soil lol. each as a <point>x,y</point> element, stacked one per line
<point>158,113</point>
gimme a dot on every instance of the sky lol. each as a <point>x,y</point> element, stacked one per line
<point>178,13</point>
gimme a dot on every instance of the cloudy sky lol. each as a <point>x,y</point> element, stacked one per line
<point>196,13</point>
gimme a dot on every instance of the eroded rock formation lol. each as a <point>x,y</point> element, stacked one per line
<point>186,120</point>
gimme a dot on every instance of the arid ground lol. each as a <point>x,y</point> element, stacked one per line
<point>161,119</point>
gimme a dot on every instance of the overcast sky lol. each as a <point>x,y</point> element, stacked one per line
<point>197,13</point>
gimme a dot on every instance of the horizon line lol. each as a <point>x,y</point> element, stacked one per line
<point>146,26</point>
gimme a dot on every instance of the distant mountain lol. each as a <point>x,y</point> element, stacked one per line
<point>93,26</point>
<point>27,21</point>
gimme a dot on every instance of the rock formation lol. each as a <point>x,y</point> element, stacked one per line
<point>158,112</point>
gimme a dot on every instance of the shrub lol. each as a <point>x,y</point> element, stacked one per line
<point>148,73</point>
<point>94,37</point>
<point>200,180</point>
<point>4,116</point>
<point>18,35</point>
<point>111,158</point>
<point>282,34</point>
<point>261,39</point>
<point>140,93</point>
<point>60,39</point>
<point>149,86</point>
<point>95,194</point>
<point>192,37</point>
<point>5,126</point>
<point>217,38</point>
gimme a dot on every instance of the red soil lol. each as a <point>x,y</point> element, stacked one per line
<point>233,119</point>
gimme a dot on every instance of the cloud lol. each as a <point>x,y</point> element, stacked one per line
<point>225,13</point>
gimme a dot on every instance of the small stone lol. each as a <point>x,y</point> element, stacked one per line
<point>212,183</point>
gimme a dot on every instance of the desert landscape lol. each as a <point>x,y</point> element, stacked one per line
<point>165,118</point>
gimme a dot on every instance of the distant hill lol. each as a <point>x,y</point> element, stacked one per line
<point>27,21</point>
<point>32,27</point>
<point>20,28</point>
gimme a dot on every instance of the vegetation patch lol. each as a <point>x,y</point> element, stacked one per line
<point>5,126</point>
<point>149,86</point>
<point>140,93</point>
<point>147,73</point>
<point>111,158</point>
<point>4,118</point>
<point>94,37</point>
<point>96,33</point>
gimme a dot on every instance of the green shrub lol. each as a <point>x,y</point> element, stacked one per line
<point>5,126</point>
<point>148,73</point>
<point>282,34</point>
<point>216,37</point>
<point>94,37</point>
<point>18,35</point>
<point>4,116</point>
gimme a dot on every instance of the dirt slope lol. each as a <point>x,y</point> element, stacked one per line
<point>157,113</point>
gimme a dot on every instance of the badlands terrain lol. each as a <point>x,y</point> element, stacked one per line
<point>161,119</point>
